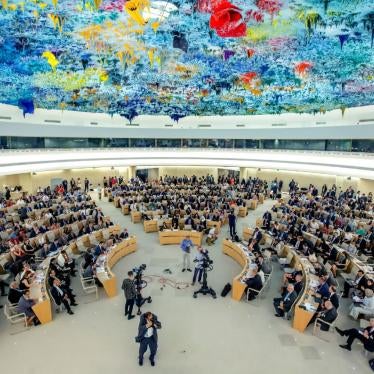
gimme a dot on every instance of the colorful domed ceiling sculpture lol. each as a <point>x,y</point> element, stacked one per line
<point>181,57</point>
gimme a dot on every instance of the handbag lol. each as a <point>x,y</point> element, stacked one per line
<point>138,339</point>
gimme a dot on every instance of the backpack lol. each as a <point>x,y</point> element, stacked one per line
<point>226,290</point>
<point>236,238</point>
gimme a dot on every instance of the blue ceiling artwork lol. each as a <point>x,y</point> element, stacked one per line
<point>187,57</point>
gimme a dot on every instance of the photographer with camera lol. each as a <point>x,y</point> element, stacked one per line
<point>186,246</point>
<point>147,336</point>
<point>199,267</point>
<point>128,286</point>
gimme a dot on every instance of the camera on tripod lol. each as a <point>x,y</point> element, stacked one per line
<point>140,283</point>
<point>138,273</point>
<point>207,263</point>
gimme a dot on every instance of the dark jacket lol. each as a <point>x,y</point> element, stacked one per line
<point>287,302</point>
<point>57,297</point>
<point>254,282</point>
<point>142,329</point>
<point>128,287</point>
<point>328,316</point>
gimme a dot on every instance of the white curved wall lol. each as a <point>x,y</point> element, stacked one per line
<point>354,123</point>
<point>340,164</point>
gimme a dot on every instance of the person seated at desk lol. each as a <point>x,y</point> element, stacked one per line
<point>283,304</point>
<point>124,234</point>
<point>263,264</point>
<point>26,281</point>
<point>88,258</point>
<point>291,277</point>
<point>60,296</point>
<point>363,306</point>
<point>323,287</point>
<point>257,235</point>
<point>266,220</point>
<point>14,293</point>
<point>298,285</point>
<point>327,314</point>
<point>254,283</point>
<point>175,222</point>
<point>350,285</point>
<point>342,262</point>
<point>333,297</point>
<point>25,305</point>
<point>64,261</point>
<point>212,236</point>
<point>366,336</point>
<point>253,246</point>
<point>89,229</point>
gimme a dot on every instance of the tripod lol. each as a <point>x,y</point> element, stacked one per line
<point>140,300</point>
<point>205,289</point>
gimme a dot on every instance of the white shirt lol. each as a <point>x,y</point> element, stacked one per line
<point>149,332</point>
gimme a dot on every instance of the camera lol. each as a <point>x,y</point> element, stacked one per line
<point>207,263</point>
<point>139,285</point>
<point>139,269</point>
<point>138,273</point>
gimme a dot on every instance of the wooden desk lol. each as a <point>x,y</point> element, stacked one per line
<point>125,209</point>
<point>85,239</point>
<point>136,217</point>
<point>243,210</point>
<point>176,236</point>
<point>235,251</point>
<point>247,233</point>
<point>216,224</point>
<point>38,291</point>
<point>302,317</point>
<point>261,198</point>
<point>150,226</point>
<point>116,202</point>
<point>252,204</point>
<point>107,277</point>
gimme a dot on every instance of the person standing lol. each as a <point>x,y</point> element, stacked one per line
<point>128,286</point>
<point>86,185</point>
<point>232,223</point>
<point>99,189</point>
<point>147,336</point>
<point>186,246</point>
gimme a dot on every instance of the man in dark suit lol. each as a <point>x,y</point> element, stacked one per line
<point>333,297</point>
<point>147,336</point>
<point>283,304</point>
<point>366,336</point>
<point>60,296</point>
<point>232,223</point>
<point>298,285</point>
<point>253,283</point>
<point>266,219</point>
<point>257,235</point>
<point>356,283</point>
<point>328,315</point>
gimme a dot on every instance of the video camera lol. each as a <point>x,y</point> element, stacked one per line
<point>138,273</point>
<point>207,263</point>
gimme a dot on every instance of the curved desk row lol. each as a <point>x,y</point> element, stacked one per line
<point>154,224</point>
<point>105,275</point>
<point>38,292</point>
<point>39,288</point>
<point>305,305</point>
<point>240,254</point>
<point>177,236</point>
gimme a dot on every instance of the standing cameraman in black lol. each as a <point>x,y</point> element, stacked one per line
<point>147,336</point>
<point>128,286</point>
<point>232,224</point>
